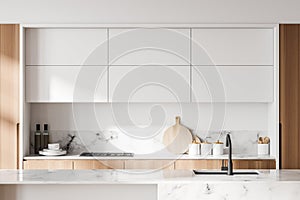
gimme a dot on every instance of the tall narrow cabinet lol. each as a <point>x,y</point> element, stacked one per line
<point>290,95</point>
<point>9,95</point>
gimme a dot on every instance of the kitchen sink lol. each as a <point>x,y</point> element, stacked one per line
<point>204,172</point>
<point>226,170</point>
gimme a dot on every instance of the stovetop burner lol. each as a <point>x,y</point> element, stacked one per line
<point>106,154</point>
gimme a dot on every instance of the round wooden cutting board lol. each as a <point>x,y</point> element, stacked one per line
<point>177,138</point>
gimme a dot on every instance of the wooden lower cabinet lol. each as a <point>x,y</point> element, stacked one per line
<point>216,164</point>
<point>254,164</point>
<point>149,164</point>
<point>198,164</point>
<point>48,164</point>
<point>146,164</point>
<point>98,164</point>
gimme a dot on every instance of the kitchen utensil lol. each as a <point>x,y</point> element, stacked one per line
<point>177,138</point>
<point>266,140</point>
<point>68,145</point>
<point>260,140</point>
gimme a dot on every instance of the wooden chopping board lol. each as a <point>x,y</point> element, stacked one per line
<point>177,138</point>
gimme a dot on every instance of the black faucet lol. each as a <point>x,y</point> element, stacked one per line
<point>230,165</point>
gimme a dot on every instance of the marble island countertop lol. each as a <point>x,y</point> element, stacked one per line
<point>160,185</point>
<point>138,177</point>
<point>154,157</point>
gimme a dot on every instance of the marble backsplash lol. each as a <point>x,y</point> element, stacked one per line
<point>244,142</point>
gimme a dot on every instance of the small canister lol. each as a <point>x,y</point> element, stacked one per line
<point>218,148</point>
<point>263,149</point>
<point>194,149</point>
<point>206,148</point>
<point>263,146</point>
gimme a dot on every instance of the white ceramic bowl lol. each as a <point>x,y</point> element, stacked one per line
<point>54,146</point>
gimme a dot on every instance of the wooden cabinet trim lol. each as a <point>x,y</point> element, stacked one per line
<point>9,95</point>
<point>147,164</point>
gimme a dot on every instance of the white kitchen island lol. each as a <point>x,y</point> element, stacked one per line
<point>141,184</point>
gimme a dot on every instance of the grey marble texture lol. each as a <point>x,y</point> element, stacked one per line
<point>171,184</point>
<point>244,142</point>
<point>171,181</point>
<point>230,191</point>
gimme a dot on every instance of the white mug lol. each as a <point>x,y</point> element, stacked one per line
<point>54,146</point>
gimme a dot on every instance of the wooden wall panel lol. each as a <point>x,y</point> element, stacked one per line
<point>289,96</point>
<point>9,95</point>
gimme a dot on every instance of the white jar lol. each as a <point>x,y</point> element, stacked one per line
<point>194,149</point>
<point>263,149</point>
<point>206,149</point>
<point>218,149</point>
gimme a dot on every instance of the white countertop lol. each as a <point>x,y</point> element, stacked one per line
<point>137,177</point>
<point>153,157</point>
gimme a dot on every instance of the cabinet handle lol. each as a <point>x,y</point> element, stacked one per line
<point>18,143</point>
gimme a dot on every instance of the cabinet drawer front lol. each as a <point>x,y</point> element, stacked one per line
<point>254,164</point>
<point>149,83</point>
<point>66,83</point>
<point>144,46</point>
<point>232,46</point>
<point>98,164</point>
<point>198,164</point>
<point>48,164</point>
<point>149,164</point>
<point>232,83</point>
<point>66,46</point>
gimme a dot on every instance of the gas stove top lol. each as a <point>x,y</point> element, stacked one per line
<point>106,154</point>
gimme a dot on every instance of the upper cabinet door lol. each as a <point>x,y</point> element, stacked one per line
<point>149,46</point>
<point>51,46</point>
<point>149,84</point>
<point>232,83</point>
<point>232,46</point>
<point>66,83</point>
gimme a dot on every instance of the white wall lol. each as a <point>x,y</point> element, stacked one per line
<point>146,11</point>
<point>241,116</point>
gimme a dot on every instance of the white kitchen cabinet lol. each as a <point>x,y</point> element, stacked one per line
<point>232,46</point>
<point>66,83</point>
<point>232,83</point>
<point>149,84</point>
<point>149,46</point>
<point>66,46</point>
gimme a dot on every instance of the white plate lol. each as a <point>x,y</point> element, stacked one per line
<point>50,150</point>
<point>53,153</point>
